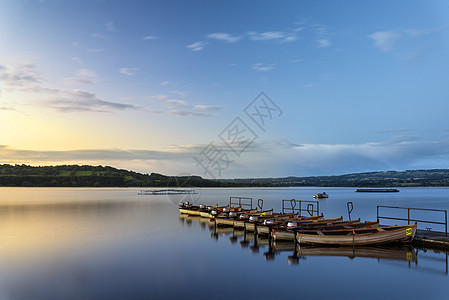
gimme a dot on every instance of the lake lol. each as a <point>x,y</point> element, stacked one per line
<point>111,243</point>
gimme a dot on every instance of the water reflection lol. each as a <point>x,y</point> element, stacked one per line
<point>404,255</point>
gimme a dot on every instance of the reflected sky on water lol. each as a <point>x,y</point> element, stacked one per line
<point>113,244</point>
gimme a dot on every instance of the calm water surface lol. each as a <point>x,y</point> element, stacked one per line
<point>63,243</point>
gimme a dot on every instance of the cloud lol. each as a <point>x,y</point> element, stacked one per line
<point>225,37</point>
<point>10,155</point>
<point>197,46</point>
<point>150,37</point>
<point>323,43</point>
<point>181,108</point>
<point>206,107</point>
<point>280,36</point>
<point>82,100</point>
<point>86,73</point>
<point>76,59</point>
<point>285,157</point>
<point>164,83</point>
<point>268,35</point>
<point>385,40</point>
<point>261,67</point>
<point>99,36</point>
<point>77,81</point>
<point>6,108</point>
<point>19,74</point>
<point>128,71</point>
<point>179,93</point>
<point>110,27</point>
<point>84,76</point>
<point>399,153</point>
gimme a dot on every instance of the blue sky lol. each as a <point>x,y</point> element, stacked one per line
<point>157,86</point>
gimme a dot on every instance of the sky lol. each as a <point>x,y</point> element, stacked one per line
<point>226,89</point>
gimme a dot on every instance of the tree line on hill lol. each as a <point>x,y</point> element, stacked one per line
<point>105,176</point>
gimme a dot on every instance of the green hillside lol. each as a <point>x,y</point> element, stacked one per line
<point>100,176</point>
<point>89,176</point>
<point>409,178</point>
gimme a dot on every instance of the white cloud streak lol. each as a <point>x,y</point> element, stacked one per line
<point>225,37</point>
<point>128,71</point>
<point>323,43</point>
<point>197,46</point>
<point>385,40</point>
<point>261,67</point>
<point>181,108</point>
<point>110,27</point>
<point>150,37</point>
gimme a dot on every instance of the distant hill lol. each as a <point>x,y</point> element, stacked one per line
<point>409,178</point>
<point>90,176</point>
<point>100,176</point>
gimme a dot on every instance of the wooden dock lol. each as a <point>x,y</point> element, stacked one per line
<point>432,240</point>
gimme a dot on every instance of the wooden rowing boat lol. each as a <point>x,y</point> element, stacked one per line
<point>359,237</point>
<point>225,220</point>
<point>264,228</point>
<point>288,232</point>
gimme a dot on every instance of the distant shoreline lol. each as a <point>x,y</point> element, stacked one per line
<point>105,176</point>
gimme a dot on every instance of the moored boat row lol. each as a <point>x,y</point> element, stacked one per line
<point>307,230</point>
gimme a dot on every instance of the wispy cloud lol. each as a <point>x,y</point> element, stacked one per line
<point>23,78</point>
<point>323,43</point>
<point>99,36</point>
<point>179,93</point>
<point>261,67</point>
<point>76,59</point>
<point>150,37</point>
<point>83,76</point>
<point>206,107</point>
<point>280,36</point>
<point>389,40</point>
<point>19,74</point>
<point>77,81</point>
<point>197,46</point>
<point>82,100</point>
<point>399,153</point>
<point>225,37</point>
<point>8,154</point>
<point>181,108</point>
<point>385,40</point>
<point>86,73</point>
<point>128,71</point>
<point>110,26</point>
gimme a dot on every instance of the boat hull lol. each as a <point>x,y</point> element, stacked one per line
<point>401,234</point>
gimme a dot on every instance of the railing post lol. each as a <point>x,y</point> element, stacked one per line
<point>408,216</point>
<point>445,220</point>
<point>378,214</point>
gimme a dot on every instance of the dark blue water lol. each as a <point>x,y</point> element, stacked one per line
<point>114,244</point>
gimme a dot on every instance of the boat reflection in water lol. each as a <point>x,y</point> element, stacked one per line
<point>257,244</point>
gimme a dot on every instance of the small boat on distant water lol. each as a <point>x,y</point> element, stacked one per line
<point>321,195</point>
<point>377,190</point>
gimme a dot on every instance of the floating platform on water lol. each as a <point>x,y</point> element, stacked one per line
<point>377,190</point>
<point>167,192</point>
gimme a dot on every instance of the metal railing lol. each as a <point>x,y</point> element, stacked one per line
<point>242,202</point>
<point>294,207</point>
<point>408,219</point>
